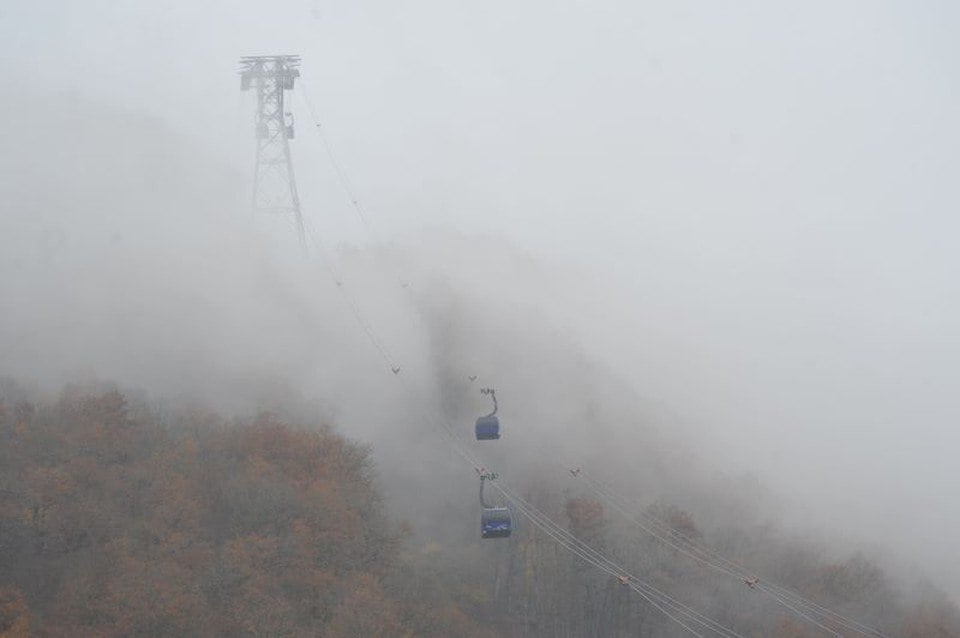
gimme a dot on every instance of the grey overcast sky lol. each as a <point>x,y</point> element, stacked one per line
<point>766,193</point>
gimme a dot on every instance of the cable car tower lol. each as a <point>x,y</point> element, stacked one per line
<point>274,186</point>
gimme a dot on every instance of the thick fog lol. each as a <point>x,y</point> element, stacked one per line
<point>729,229</point>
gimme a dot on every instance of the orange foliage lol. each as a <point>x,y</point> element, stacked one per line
<point>118,527</point>
<point>14,615</point>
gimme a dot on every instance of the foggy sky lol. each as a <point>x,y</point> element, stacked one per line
<point>748,210</point>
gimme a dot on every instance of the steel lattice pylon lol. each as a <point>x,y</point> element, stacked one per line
<point>274,185</point>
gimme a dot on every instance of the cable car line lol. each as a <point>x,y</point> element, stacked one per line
<point>540,520</point>
<point>337,166</point>
<point>635,584</point>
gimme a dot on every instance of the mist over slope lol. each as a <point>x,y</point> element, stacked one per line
<point>125,258</point>
<point>755,205</point>
<point>154,281</point>
<point>117,519</point>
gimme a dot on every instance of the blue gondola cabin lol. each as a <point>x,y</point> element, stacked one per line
<point>495,523</point>
<point>488,428</point>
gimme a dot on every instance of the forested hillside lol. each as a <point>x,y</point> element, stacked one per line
<point>117,519</point>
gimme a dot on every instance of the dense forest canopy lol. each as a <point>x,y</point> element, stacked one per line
<point>115,522</point>
<point>122,519</point>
